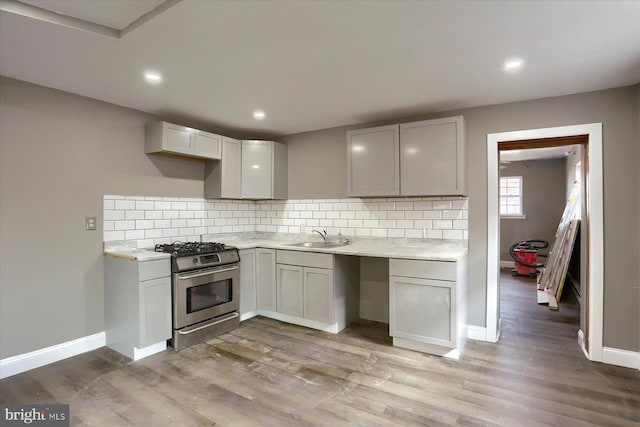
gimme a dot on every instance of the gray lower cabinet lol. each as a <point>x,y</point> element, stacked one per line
<point>247,281</point>
<point>317,290</point>
<point>318,294</point>
<point>266,279</point>
<point>290,290</point>
<point>137,306</point>
<point>427,305</point>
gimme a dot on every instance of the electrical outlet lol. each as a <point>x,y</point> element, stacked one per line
<point>303,228</point>
<point>90,223</point>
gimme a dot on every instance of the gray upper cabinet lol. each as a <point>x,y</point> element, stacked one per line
<point>264,170</point>
<point>432,161</point>
<point>423,158</point>
<point>373,162</point>
<point>171,139</point>
<point>222,179</point>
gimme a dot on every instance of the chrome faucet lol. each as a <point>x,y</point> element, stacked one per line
<point>323,234</point>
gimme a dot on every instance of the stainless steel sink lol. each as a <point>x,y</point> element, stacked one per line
<point>319,245</point>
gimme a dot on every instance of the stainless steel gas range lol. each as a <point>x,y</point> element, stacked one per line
<point>205,291</point>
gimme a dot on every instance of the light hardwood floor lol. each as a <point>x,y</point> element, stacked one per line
<point>272,373</point>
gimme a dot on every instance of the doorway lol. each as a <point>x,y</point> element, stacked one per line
<point>591,339</point>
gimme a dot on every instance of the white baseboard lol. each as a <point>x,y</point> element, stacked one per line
<point>141,353</point>
<point>27,361</point>
<point>507,264</point>
<point>478,333</point>
<point>626,358</point>
<point>248,315</point>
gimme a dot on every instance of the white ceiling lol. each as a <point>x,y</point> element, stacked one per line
<point>319,64</point>
<point>117,14</point>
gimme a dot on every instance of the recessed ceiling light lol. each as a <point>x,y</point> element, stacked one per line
<point>259,115</point>
<point>513,64</point>
<point>153,77</point>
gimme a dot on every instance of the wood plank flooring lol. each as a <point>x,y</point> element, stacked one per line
<point>272,373</point>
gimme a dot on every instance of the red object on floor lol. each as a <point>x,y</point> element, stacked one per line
<point>528,256</point>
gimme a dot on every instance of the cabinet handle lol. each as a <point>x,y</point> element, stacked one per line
<point>190,331</point>
<point>206,273</point>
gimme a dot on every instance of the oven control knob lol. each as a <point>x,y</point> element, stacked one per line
<point>195,260</point>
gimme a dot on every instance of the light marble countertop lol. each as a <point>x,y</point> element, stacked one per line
<point>128,250</point>
<point>421,249</point>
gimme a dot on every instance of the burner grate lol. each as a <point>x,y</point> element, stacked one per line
<point>190,248</point>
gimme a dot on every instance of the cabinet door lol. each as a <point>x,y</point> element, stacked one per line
<point>373,161</point>
<point>154,311</point>
<point>290,291</point>
<point>421,310</point>
<point>432,157</point>
<point>207,145</point>
<point>257,169</point>
<point>247,280</point>
<point>177,139</point>
<point>318,294</point>
<point>231,168</point>
<point>266,279</point>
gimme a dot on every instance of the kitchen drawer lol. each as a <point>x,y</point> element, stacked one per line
<point>148,270</point>
<point>438,270</point>
<point>305,259</point>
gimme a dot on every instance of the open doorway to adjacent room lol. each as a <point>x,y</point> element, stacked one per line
<point>534,187</point>
<point>582,146</point>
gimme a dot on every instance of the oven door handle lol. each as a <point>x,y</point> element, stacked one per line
<point>206,273</point>
<point>190,331</point>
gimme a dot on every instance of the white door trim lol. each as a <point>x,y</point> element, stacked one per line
<point>595,212</point>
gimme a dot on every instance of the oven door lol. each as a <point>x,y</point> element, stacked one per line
<point>203,294</point>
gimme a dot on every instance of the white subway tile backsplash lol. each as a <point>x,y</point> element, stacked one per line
<point>412,214</point>
<point>395,214</point>
<point>125,204</point>
<point>142,224</point>
<point>452,234</point>
<point>134,215</point>
<point>113,235</point>
<point>162,223</point>
<point>153,234</point>
<point>395,232</point>
<point>164,219</point>
<point>125,225</point>
<point>452,214</point>
<point>133,234</point>
<point>413,234</point>
<point>144,205</point>
<point>442,205</point>
<point>444,224</point>
<point>170,214</point>
<point>152,214</point>
<point>112,215</point>
<point>404,223</point>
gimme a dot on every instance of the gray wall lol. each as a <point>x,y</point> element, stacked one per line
<point>616,109</point>
<point>59,153</point>
<point>543,201</point>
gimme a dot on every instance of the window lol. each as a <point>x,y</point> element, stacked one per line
<point>511,196</point>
